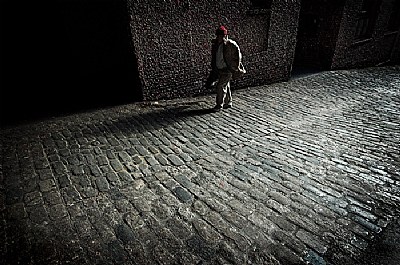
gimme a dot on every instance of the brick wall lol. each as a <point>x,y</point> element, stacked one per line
<point>172,42</point>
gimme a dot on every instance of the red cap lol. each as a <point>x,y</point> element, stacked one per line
<point>221,31</point>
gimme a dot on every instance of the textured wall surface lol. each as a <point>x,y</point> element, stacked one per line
<point>172,42</point>
<point>351,53</point>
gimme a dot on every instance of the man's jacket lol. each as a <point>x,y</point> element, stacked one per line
<point>232,57</point>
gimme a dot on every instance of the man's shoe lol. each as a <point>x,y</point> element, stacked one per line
<point>227,106</point>
<point>217,108</point>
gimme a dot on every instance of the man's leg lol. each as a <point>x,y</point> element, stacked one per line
<point>222,88</point>
<point>228,96</point>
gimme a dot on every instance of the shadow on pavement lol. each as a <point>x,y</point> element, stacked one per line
<point>385,249</point>
<point>194,112</point>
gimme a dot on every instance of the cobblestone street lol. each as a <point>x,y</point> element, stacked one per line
<point>299,172</point>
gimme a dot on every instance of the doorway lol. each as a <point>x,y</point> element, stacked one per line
<point>317,33</point>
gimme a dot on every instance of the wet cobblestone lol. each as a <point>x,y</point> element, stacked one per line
<point>299,172</point>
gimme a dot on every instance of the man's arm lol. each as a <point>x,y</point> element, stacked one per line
<point>235,56</point>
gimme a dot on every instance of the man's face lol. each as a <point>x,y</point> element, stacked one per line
<point>220,38</point>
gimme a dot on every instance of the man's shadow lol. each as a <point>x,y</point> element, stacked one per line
<point>184,112</point>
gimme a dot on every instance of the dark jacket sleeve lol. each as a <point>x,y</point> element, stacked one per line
<point>214,49</point>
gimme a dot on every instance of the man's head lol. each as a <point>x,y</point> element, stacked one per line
<point>221,31</point>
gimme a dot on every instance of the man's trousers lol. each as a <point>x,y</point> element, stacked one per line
<point>224,95</point>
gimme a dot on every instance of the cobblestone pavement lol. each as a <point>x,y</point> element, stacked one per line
<point>298,172</point>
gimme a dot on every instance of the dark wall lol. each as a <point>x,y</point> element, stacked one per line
<point>35,56</point>
<point>395,58</point>
<point>172,42</point>
<point>62,56</point>
<point>100,43</point>
<point>319,23</point>
<point>377,49</point>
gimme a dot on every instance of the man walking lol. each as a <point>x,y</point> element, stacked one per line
<point>226,64</point>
